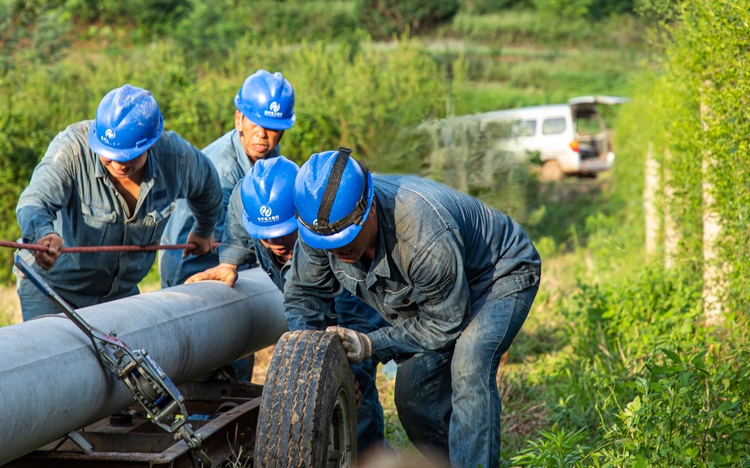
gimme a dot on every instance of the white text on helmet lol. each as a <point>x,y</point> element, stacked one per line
<point>266,215</point>
<point>273,110</point>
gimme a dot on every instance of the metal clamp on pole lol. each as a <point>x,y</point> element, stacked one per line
<point>150,385</point>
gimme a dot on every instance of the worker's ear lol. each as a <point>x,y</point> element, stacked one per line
<point>372,216</point>
<point>238,121</point>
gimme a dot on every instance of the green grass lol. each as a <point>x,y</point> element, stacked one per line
<point>524,27</point>
<point>510,80</point>
<point>10,307</point>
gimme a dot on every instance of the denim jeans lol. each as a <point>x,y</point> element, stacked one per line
<point>355,314</point>
<point>33,302</point>
<point>448,401</point>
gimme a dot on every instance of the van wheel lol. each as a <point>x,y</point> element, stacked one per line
<point>551,172</point>
<point>307,413</point>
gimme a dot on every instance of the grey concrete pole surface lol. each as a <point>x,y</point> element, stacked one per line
<point>51,382</point>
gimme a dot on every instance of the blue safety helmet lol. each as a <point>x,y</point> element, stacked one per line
<point>267,100</point>
<point>333,196</point>
<point>267,201</point>
<point>128,122</point>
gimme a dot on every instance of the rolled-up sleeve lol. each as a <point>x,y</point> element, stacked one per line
<point>443,296</point>
<point>49,190</point>
<point>237,247</point>
<point>310,289</point>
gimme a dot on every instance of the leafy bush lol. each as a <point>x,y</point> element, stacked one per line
<point>20,142</point>
<point>207,31</point>
<point>28,32</point>
<point>481,7</point>
<point>563,9</point>
<point>643,384</point>
<point>383,18</point>
<point>674,420</point>
<point>149,17</point>
<point>559,448</point>
<point>461,153</point>
<point>603,8</point>
<point>593,9</point>
<point>505,28</point>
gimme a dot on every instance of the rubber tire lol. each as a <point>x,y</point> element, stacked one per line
<point>308,397</point>
<point>552,172</point>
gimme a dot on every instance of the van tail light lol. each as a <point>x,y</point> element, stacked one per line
<point>575,146</point>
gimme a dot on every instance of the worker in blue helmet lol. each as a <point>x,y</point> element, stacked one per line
<point>264,111</point>
<point>261,220</point>
<point>111,181</point>
<point>455,279</point>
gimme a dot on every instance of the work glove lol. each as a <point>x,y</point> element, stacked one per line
<point>357,345</point>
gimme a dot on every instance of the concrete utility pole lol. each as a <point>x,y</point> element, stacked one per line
<point>650,191</point>
<point>671,234</point>
<point>712,279</point>
<point>51,382</point>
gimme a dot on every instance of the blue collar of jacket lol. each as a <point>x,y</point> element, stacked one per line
<point>380,266</point>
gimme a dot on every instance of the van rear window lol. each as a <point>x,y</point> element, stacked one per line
<point>552,126</point>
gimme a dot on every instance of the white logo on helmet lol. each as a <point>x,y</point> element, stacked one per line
<point>273,110</point>
<point>110,134</point>
<point>266,215</point>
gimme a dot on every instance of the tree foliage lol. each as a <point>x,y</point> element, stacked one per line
<point>383,18</point>
<point>589,9</point>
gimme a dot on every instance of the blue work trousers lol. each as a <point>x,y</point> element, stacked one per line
<point>448,402</point>
<point>356,315</point>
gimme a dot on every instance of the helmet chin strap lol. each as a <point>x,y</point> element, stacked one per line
<point>324,211</point>
<point>322,227</point>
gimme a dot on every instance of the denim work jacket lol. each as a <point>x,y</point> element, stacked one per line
<point>231,162</point>
<point>238,248</point>
<point>70,193</point>
<point>439,252</point>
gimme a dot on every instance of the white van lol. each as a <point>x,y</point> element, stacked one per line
<point>569,139</point>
